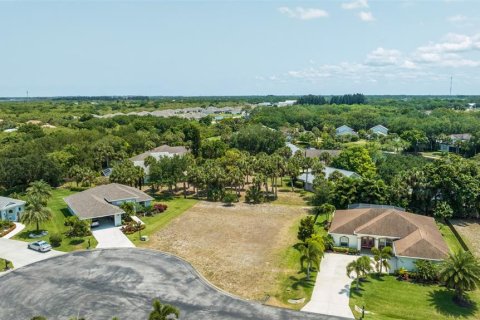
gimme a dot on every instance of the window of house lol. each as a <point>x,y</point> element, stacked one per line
<point>344,241</point>
<point>383,242</point>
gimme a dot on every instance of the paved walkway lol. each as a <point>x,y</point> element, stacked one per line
<point>17,252</point>
<point>137,219</point>
<point>331,293</point>
<point>19,227</point>
<point>111,237</point>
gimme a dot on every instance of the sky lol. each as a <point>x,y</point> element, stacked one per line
<point>165,48</point>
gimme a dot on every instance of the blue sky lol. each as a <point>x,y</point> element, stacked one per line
<point>53,48</point>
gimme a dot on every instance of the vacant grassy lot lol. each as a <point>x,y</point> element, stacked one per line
<point>387,298</point>
<point>449,237</point>
<point>243,249</point>
<point>469,230</point>
<point>176,206</point>
<point>59,212</point>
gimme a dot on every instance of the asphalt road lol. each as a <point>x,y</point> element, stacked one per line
<point>103,283</point>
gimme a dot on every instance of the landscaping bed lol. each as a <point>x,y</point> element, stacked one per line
<point>6,227</point>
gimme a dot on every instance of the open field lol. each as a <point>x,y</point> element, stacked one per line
<point>56,225</point>
<point>387,298</point>
<point>469,230</point>
<point>241,249</point>
<point>449,237</point>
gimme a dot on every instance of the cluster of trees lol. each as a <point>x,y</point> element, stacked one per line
<point>347,99</point>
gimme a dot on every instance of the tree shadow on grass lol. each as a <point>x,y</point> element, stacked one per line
<point>302,282</point>
<point>442,300</point>
<point>65,212</point>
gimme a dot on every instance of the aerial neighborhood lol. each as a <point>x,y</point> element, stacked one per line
<point>239,160</point>
<point>268,207</point>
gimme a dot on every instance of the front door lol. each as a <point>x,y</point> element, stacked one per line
<point>368,242</point>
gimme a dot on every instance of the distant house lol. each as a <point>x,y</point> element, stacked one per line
<point>454,140</point>
<point>345,130</point>
<point>11,209</point>
<point>157,153</point>
<point>411,236</point>
<point>379,130</point>
<point>472,105</point>
<point>307,179</point>
<point>315,153</point>
<point>10,130</point>
<point>103,202</point>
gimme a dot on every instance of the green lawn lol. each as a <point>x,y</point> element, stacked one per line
<point>449,237</point>
<point>389,298</point>
<point>293,283</point>
<point>176,206</point>
<point>60,212</point>
<point>2,265</point>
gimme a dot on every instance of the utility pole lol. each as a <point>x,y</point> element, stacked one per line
<point>451,84</point>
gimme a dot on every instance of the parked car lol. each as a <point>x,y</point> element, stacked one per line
<point>95,223</point>
<point>40,246</point>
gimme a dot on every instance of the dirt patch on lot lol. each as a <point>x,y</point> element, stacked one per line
<point>236,248</point>
<point>469,230</point>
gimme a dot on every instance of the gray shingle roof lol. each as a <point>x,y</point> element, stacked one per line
<point>94,202</point>
<point>8,202</point>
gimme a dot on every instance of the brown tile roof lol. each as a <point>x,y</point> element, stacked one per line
<point>418,236</point>
<point>94,202</point>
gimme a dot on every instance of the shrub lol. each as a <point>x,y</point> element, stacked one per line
<point>132,227</point>
<point>78,228</point>
<point>426,271</point>
<point>56,239</point>
<point>254,195</point>
<point>340,249</point>
<point>158,208</point>
<point>229,198</point>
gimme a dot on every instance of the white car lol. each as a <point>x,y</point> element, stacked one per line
<point>40,246</point>
<point>95,223</point>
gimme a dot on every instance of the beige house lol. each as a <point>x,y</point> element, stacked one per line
<point>411,236</point>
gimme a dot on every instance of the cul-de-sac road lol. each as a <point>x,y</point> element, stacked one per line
<point>104,283</point>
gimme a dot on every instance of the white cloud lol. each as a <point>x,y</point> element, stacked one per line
<point>366,16</point>
<point>383,57</point>
<point>303,13</point>
<point>356,4</point>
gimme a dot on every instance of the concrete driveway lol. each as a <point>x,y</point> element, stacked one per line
<point>17,252</point>
<point>331,293</point>
<point>109,236</point>
<point>101,284</point>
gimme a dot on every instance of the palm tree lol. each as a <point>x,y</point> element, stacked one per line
<point>163,311</point>
<point>461,272</point>
<point>381,257</point>
<point>361,267</point>
<point>36,213</point>
<point>312,251</point>
<point>39,190</point>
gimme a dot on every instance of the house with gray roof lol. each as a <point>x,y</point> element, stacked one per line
<point>104,202</point>
<point>157,153</point>
<point>345,130</point>
<point>379,130</point>
<point>11,209</point>
<point>307,178</point>
<point>454,142</point>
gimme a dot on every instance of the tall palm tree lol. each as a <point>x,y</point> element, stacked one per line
<point>36,213</point>
<point>381,257</point>
<point>163,311</point>
<point>361,267</point>
<point>39,190</point>
<point>312,251</point>
<point>461,272</point>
